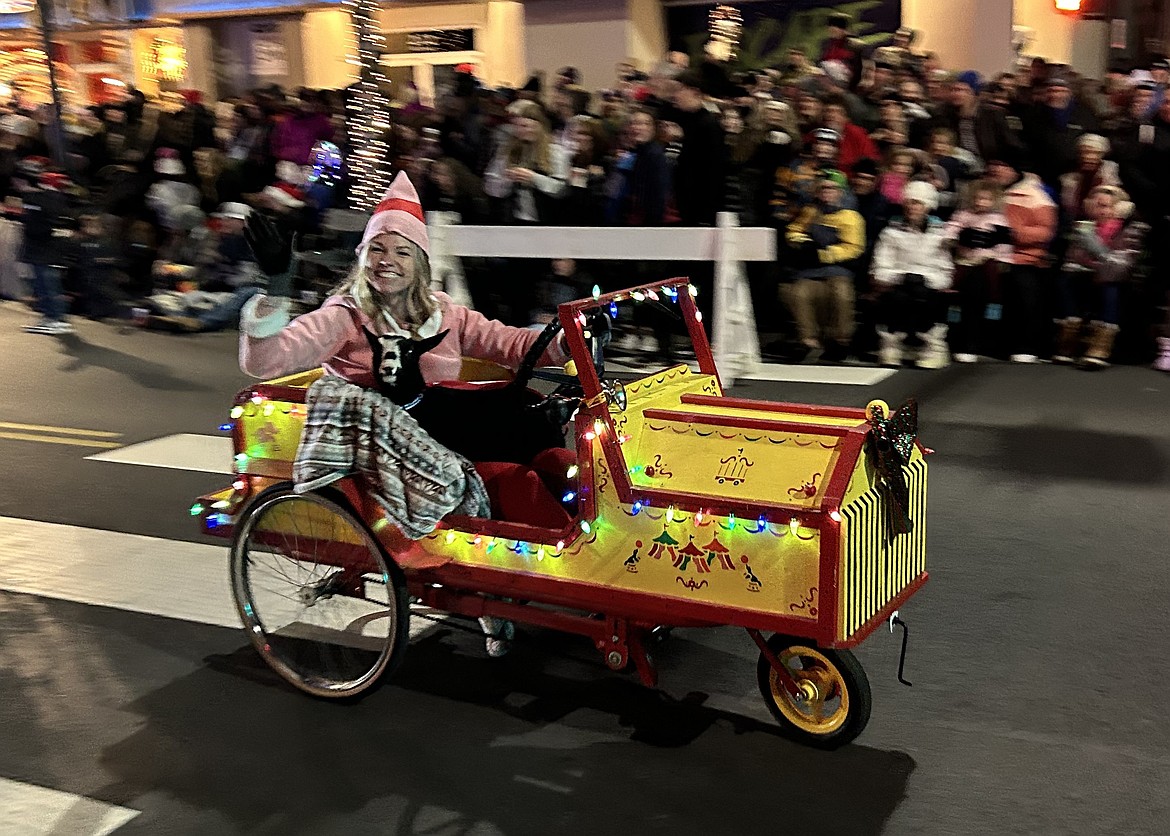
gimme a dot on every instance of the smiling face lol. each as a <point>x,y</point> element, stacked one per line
<point>390,263</point>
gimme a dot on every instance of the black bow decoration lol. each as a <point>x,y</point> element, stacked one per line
<point>890,443</point>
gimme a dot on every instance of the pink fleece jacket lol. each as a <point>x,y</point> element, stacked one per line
<point>1032,216</point>
<point>332,336</point>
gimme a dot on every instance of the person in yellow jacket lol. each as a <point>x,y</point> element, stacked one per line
<point>826,238</point>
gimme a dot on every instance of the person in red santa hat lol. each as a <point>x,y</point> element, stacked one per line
<point>388,293</point>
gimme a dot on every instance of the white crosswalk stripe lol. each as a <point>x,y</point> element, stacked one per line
<point>170,578</point>
<point>29,810</point>
<point>184,451</point>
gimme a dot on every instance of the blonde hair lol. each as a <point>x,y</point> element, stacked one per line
<point>536,154</point>
<point>984,186</point>
<point>420,303</point>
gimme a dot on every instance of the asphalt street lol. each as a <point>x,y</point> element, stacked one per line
<point>1037,649</point>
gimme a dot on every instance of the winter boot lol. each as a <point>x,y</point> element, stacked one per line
<point>890,350</point>
<point>1067,340</point>
<point>934,353</point>
<point>1162,364</point>
<point>1101,336</point>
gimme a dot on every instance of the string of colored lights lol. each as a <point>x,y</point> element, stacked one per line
<point>368,110</point>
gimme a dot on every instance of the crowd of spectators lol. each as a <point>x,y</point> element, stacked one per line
<point>922,214</point>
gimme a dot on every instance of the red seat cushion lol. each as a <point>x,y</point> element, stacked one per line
<point>518,494</point>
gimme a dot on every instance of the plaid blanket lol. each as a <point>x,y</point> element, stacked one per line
<point>353,430</point>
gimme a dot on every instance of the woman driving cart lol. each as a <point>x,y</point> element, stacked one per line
<point>389,294</point>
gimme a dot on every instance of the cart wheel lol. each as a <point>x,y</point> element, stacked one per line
<point>836,702</point>
<point>318,598</point>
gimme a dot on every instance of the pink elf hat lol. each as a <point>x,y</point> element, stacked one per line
<point>401,212</point>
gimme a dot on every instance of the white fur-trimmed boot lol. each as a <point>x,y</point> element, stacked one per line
<point>890,351</point>
<point>935,353</point>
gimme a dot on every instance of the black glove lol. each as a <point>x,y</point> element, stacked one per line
<point>272,249</point>
<point>1001,235</point>
<point>978,239</point>
<point>967,238</point>
<point>823,236</point>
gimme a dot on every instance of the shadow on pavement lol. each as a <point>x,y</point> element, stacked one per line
<point>460,743</point>
<point>143,372</point>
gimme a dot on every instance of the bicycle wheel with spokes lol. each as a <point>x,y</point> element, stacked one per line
<point>318,598</point>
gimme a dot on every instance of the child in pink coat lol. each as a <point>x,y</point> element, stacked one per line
<point>894,180</point>
<point>981,240</point>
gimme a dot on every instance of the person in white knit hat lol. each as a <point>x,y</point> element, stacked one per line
<point>912,266</point>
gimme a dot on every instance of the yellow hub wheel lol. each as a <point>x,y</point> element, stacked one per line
<point>832,703</point>
<point>824,702</point>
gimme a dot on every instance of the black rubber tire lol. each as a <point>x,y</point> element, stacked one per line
<point>850,672</point>
<point>398,637</point>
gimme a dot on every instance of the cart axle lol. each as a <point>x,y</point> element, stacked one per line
<point>791,686</point>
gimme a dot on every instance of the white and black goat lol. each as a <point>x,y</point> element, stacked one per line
<point>485,422</point>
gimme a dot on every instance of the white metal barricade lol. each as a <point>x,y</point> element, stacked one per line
<point>734,340</point>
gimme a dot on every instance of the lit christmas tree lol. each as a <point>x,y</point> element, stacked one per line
<point>368,111</point>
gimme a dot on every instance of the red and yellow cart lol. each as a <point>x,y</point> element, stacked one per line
<point>695,509</point>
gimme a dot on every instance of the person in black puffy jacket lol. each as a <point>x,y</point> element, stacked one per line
<point>47,232</point>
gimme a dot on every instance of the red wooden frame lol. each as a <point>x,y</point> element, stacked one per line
<point>775,406</point>
<point>575,338</point>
